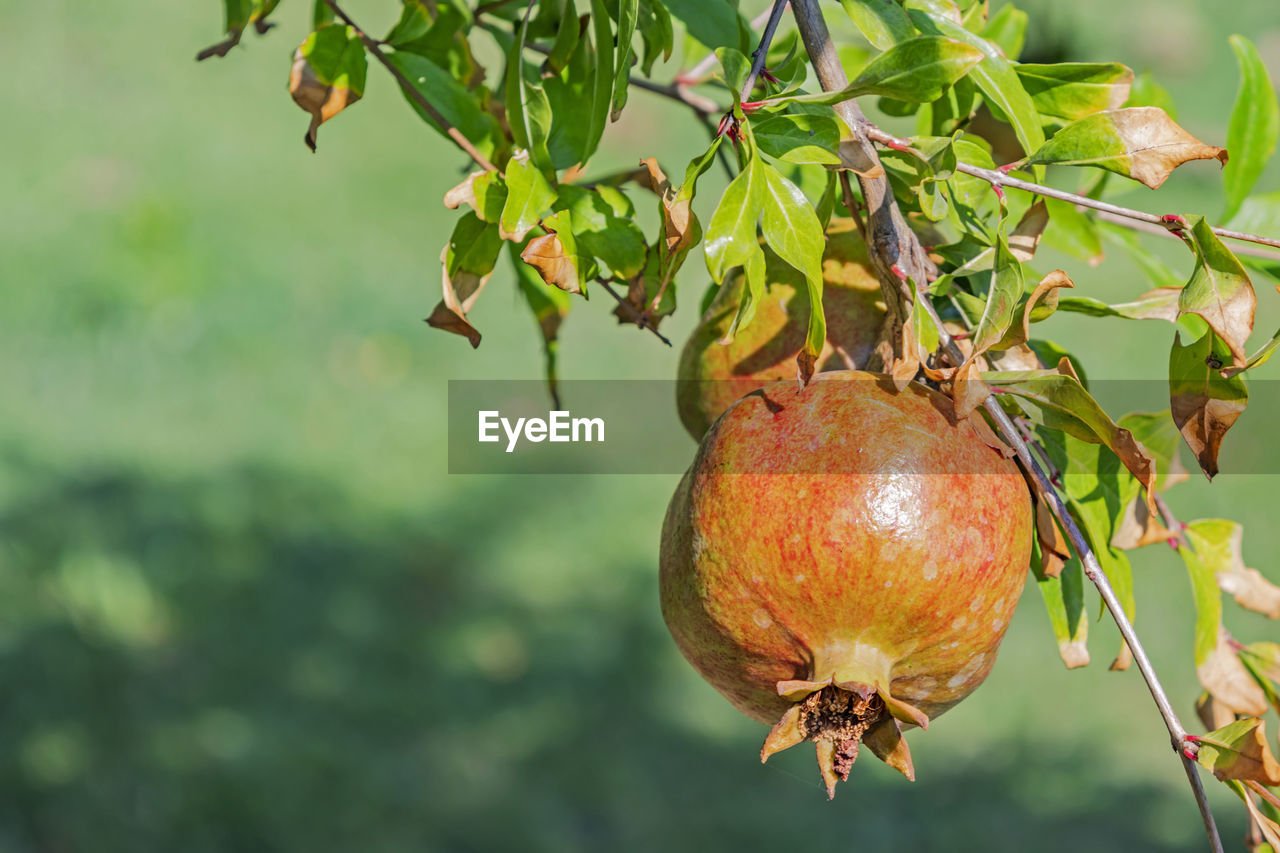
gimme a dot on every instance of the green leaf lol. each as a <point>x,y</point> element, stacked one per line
<point>528,111</point>
<point>731,231</point>
<point>1098,489</point>
<point>1064,601</point>
<point>1062,403</point>
<point>1072,232</point>
<point>792,230</point>
<point>473,246</point>
<point>883,23</point>
<point>995,77</point>
<point>1204,592</point>
<point>321,14</point>
<point>458,106</point>
<point>1072,90</point>
<point>604,228</point>
<point>529,195</point>
<point>757,280</point>
<point>1158,304</point>
<point>1007,30</point>
<point>1204,402</point>
<point>1239,750</point>
<point>567,37</point>
<point>713,23</point>
<point>1003,294</point>
<point>1219,291</point>
<point>628,13</point>
<point>328,75</point>
<point>1254,127</point>
<point>1156,432</point>
<point>656,33</point>
<point>798,138</point>
<point>1259,214</point>
<point>917,70</point>
<point>602,79</point>
<point>1141,143</point>
<point>415,21</point>
<point>550,305</point>
<point>735,67</point>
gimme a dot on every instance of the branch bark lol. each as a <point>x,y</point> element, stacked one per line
<point>899,251</point>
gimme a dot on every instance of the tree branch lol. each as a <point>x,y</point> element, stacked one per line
<point>371,45</point>
<point>999,179</point>
<point>640,319</point>
<point>761,54</point>
<point>895,244</point>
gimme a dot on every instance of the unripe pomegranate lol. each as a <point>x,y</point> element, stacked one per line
<point>840,562</point>
<point>713,374</point>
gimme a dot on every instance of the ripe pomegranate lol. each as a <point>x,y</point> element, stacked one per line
<point>713,375</point>
<point>841,561</point>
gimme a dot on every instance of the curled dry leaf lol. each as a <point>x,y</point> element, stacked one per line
<point>677,213</point>
<point>1249,588</point>
<point>554,255</point>
<point>967,389</point>
<point>1219,291</point>
<point>463,193</point>
<point>459,295</point>
<point>1205,404</point>
<point>1212,713</point>
<point>1138,528</point>
<point>1269,828</point>
<point>1054,551</point>
<point>1142,143</point>
<point>1239,750</point>
<point>328,75</point>
<point>1025,238</point>
<point>1226,678</point>
<point>1123,660</point>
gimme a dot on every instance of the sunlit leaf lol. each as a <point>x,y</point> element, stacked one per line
<point>1001,306</point>
<point>1064,601</point>
<point>628,14</point>
<point>731,230</point>
<point>798,138</point>
<point>555,254</point>
<point>1073,232</point>
<point>1219,291</point>
<point>1158,304</point>
<point>881,22</point>
<point>1218,544</point>
<point>1254,126</point>
<point>1239,750</point>
<point>529,196</point>
<point>458,106</point>
<point>792,230</point>
<point>1142,143</point>
<point>1007,30</point>
<point>1072,90</point>
<point>328,75</point>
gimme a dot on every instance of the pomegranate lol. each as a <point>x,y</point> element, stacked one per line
<point>840,562</point>
<point>713,375</point>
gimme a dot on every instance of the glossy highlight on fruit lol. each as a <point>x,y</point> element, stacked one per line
<point>841,562</point>
<point>714,374</point>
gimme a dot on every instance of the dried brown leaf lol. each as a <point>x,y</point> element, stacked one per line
<point>1138,528</point>
<point>547,255</point>
<point>459,295</point>
<point>1249,588</point>
<point>1226,678</point>
<point>1046,293</point>
<point>1157,144</point>
<point>1212,713</point>
<point>1025,237</point>
<point>463,193</point>
<point>1054,551</point>
<point>1123,659</point>
<point>968,390</point>
<point>677,213</point>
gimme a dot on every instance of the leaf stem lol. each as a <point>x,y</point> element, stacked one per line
<point>1264,792</point>
<point>371,45</point>
<point>895,244</point>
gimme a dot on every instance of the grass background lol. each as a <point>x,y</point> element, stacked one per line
<point>244,607</point>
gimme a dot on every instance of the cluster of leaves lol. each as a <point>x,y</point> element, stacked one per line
<point>952,70</point>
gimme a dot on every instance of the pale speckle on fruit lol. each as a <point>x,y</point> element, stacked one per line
<point>930,570</point>
<point>958,623</point>
<point>761,617</point>
<point>888,584</point>
<point>799,578</point>
<point>997,624</point>
<point>969,670</point>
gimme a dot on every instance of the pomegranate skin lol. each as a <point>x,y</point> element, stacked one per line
<point>844,534</point>
<point>713,375</point>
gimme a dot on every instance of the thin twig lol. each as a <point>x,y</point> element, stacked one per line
<point>414,94</point>
<point>640,320</point>
<point>999,179</point>
<point>1264,793</point>
<point>699,72</point>
<point>1148,228</point>
<point>761,54</point>
<point>822,54</point>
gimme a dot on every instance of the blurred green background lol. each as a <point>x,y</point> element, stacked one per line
<point>244,607</point>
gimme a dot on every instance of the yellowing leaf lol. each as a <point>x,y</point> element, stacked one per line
<point>1219,291</point>
<point>1212,713</point>
<point>1239,751</point>
<point>460,293</point>
<point>1204,402</point>
<point>328,75</point>
<point>1218,542</point>
<point>1142,143</point>
<point>555,255</point>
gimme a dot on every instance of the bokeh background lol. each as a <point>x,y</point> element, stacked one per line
<point>243,605</point>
